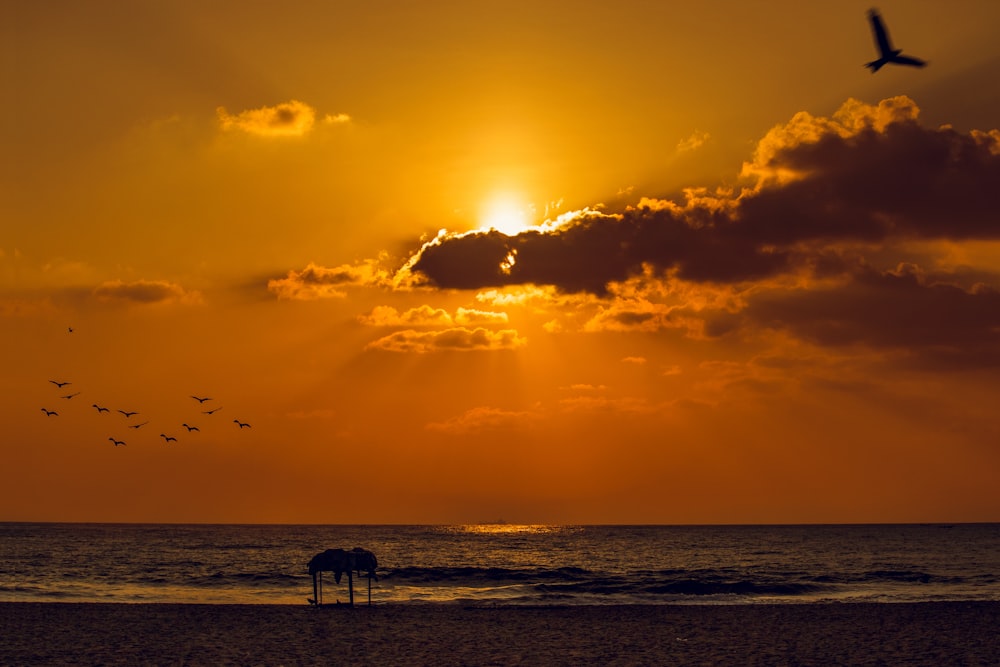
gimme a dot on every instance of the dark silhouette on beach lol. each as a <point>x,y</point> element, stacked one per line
<point>887,54</point>
<point>339,561</point>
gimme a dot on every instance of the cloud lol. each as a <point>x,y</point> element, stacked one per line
<point>317,282</point>
<point>483,419</point>
<point>145,292</point>
<point>387,316</point>
<point>900,309</point>
<point>288,119</point>
<point>456,339</point>
<point>693,142</point>
<point>472,316</point>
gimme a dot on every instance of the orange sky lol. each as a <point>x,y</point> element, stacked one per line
<point>733,277</point>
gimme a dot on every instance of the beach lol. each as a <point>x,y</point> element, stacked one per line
<point>928,633</point>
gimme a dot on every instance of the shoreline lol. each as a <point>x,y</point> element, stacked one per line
<point>110,633</point>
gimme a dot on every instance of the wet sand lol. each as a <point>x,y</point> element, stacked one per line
<point>927,633</point>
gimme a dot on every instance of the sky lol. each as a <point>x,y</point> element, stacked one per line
<point>538,262</point>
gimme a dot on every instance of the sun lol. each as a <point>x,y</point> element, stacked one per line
<point>506,215</point>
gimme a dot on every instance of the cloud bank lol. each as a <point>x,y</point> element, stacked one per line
<point>836,235</point>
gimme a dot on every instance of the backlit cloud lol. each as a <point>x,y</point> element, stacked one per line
<point>387,316</point>
<point>456,339</point>
<point>318,282</point>
<point>288,119</point>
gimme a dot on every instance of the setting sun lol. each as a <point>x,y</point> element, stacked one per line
<point>506,215</point>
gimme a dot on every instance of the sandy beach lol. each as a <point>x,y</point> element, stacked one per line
<point>421,634</point>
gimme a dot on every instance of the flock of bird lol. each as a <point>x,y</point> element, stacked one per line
<point>128,414</point>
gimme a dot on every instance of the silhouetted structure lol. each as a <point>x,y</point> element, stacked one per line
<point>887,54</point>
<point>339,561</point>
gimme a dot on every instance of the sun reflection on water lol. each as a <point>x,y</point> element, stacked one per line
<point>501,528</point>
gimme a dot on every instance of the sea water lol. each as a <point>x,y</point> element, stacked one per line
<point>504,564</point>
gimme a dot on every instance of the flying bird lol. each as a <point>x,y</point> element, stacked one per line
<point>116,442</point>
<point>200,400</point>
<point>241,424</point>
<point>70,395</point>
<point>138,425</point>
<point>190,428</point>
<point>99,408</point>
<point>70,329</point>
<point>50,413</point>
<point>212,411</point>
<point>887,54</point>
<point>60,384</point>
<point>167,438</point>
<point>128,414</point>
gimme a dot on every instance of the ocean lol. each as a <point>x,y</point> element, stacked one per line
<point>504,564</point>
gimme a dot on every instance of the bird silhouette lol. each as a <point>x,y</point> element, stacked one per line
<point>50,413</point>
<point>190,428</point>
<point>886,53</point>
<point>212,411</point>
<point>128,414</point>
<point>117,442</point>
<point>99,408</point>
<point>70,329</point>
<point>70,395</point>
<point>199,399</point>
<point>241,424</point>
<point>138,425</point>
<point>60,384</point>
<point>167,438</point>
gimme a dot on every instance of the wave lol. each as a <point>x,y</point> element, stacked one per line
<point>575,581</point>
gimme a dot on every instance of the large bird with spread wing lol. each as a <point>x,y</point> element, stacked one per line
<point>887,54</point>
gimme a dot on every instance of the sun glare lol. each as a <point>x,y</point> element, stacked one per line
<point>505,215</point>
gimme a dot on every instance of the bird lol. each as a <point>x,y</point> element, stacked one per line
<point>128,414</point>
<point>886,53</point>
<point>241,424</point>
<point>190,428</point>
<point>70,329</point>
<point>199,399</point>
<point>138,425</point>
<point>167,438</point>
<point>60,384</point>
<point>99,408</point>
<point>70,395</point>
<point>212,411</point>
<point>117,442</point>
<point>50,413</point>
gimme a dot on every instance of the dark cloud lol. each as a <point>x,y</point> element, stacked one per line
<point>900,310</point>
<point>871,174</point>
